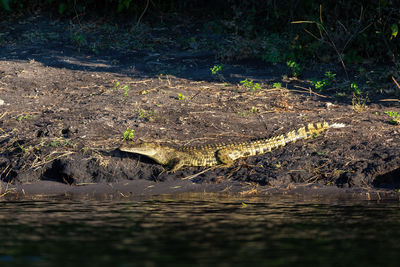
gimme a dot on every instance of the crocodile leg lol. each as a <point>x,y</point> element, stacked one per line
<point>224,157</point>
<point>176,164</point>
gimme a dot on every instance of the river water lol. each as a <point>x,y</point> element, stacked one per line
<point>199,230</point>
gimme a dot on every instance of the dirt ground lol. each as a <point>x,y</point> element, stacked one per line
<point>65,104</point>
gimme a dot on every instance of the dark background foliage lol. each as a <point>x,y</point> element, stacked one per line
<point>349,30</point>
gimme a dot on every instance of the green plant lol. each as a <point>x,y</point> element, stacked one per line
<point>181,96</point>
<point>329,77</point>
<point>246,83</point>
<point>24,117</point>
<point>254,109</point>
<point>256,87</point>
<point>243,114</point>
<point>59,142</point>
<point>359,102</point>
<point>250,85</point>
<point>355,89</point>
<point>149,115</point>
<point>277,85</point>
<point>395,31</point>
<point>319,85</point>
<point>23,148</point>
<point>79,40</point>
<point>294,67</point>
<point>216,69</point>
<point>128,134</point>
<point>142,113</point>
<point>395,117</point>
<point>126,89</point>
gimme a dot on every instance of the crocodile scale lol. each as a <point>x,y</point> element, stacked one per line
<point>222,155</point>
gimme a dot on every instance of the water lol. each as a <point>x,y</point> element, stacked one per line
<point>198,230</point>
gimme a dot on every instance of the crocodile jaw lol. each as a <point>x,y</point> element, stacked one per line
<point>149,152</point>
<point>156,152</point>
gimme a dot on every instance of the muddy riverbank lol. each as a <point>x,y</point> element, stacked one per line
<point>64,108</point>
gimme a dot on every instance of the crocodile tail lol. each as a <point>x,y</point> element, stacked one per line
<point>245,149</point>
<point>312,129</point>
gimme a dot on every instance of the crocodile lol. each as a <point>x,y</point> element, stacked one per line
<point>221,154</point>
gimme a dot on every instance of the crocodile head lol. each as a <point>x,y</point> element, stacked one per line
<point>159,153</point>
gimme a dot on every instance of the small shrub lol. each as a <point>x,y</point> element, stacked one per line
<point>277,85</point>
<point>329,77</point>
<point>395,117</point>
<point>250,85</point>
<point>294,67</point>
<point>359,102</point>
<point>355,89</point>
<point>128,134</point>
<point>24,117</point>
<point>216,69</point>
<point>126,89</point>
<point>59,142</point>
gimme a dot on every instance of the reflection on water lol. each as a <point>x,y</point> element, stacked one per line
<point>198,231</point>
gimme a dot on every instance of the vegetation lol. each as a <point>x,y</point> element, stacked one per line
<point>216,69</point>
<point>254,109</point>
<point>295,69</point>
<point>24,117</point>
<point>250,85</point>
<point>349,31</point>
<point>294,33</point>
<point>149,115</point>
<point>355,89</point>
<point>128,134</point>
<point>181,97</point>
<point>125,88</point>
<point>326,81</point>
<point>359,102</point>
<point>59,142</point>
<point>79,40</point>
<point>395,117</point>
<point>277,85</point>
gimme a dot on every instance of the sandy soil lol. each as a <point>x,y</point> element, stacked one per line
<point>65,106</point>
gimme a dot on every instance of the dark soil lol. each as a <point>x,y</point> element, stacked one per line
<point>66,104</point>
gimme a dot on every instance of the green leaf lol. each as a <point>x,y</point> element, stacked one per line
<point>181,96</point>
<point>395,31</point>
<point>128,134</point>
<point>354,87</point>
